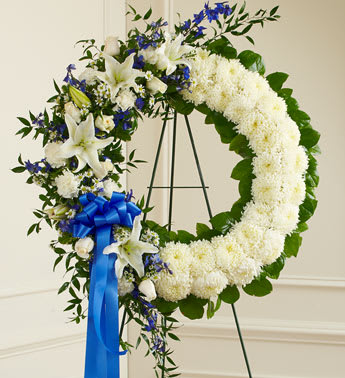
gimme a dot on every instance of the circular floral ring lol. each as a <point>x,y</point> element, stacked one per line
<point>157,270</point>
<point>276,183</point>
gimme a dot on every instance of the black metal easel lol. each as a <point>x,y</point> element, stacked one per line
<point>171,188</point>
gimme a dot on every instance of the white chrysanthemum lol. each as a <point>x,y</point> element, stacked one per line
<point>258,213</point>
<point>294,190</point>
<point>173,287</point>
<point>267,189</point>
<point>285,218</point>
<point>238,268</point>
<point>67,185</point>
<point>292,132</point>
<point>250,238</point>
<point>209,285</point>
<point>273,246</point>
<point>267,163</point>
<point>218,99</point>
<point>203,257</point>
<point>124,286</point>
<point>178,256</point>
<point>51,151</point>
<point>273,105</point>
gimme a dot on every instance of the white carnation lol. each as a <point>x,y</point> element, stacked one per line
<point>73,111</point>
<point>258,213</point>
<point>109,187</point>
<point>67,185</point>
<point>124,286</point>
<point>125,99</point>
<point>89,75</point>
<point>52,155</point>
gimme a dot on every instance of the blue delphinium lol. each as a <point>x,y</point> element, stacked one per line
<point>68,78</point>
<point>199,17</point>
<point>32,167</point>
<point>139,103</point>
<point>39,120</point>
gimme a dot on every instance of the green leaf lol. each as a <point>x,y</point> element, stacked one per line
<point>148,14</point>
<point>276,80</point>
<point>252,61</point>
<point>273,270</point>
<point>164,306</point>
<point>180,105</point>
<point>242,169</point>
<point>56,262</point>
<point>241,146</point>
<point>308,207</point>
<point>250,39</point>
<point>309,137</point>
<point>222,222</point>
<point>192,307</point>
<point>56,87</point>
<point>63,287</point>
<point>172,336</point>
<point>185,237</point>
<point>292,244</point>
<point>76,283</point>
<point>18,169</point>
<point>24,121</point>
<point>259,287</point>
<point>230,294</point>
<point>31,229</point>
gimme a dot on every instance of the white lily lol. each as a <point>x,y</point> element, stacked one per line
<point>83,144</point>
<point>119,75</point>
<point>169,54</point>
<point>130,251</point>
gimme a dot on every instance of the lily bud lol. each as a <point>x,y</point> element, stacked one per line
<point>84,246</point>
<point>57,212</point>
<point>147,287</point>
<point>111,45</point>
<point>155,85</point>
<point>78,97</point>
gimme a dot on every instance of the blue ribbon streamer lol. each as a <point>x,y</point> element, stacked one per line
<point>102,342</point>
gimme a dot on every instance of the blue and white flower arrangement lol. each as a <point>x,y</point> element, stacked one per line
<point>115,259</point>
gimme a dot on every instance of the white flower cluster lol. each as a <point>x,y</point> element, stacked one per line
<point>205,268</point>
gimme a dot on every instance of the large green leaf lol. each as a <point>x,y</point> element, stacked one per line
<point>252,61</point>
<point>276,80</point>
<point>230,294</point>
<point>192,307</point>
<point>259,287</point>
<point>273,270</point>
<point>242,169</point>
<point>222,222</point>
<point>292,244</point>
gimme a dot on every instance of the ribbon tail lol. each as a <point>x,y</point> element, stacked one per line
<point>102,348</point>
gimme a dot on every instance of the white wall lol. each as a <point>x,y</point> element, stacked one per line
<point>297,331</point>
<point>37,43</point>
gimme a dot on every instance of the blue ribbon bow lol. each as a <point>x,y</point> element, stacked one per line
<point>103,344</point>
